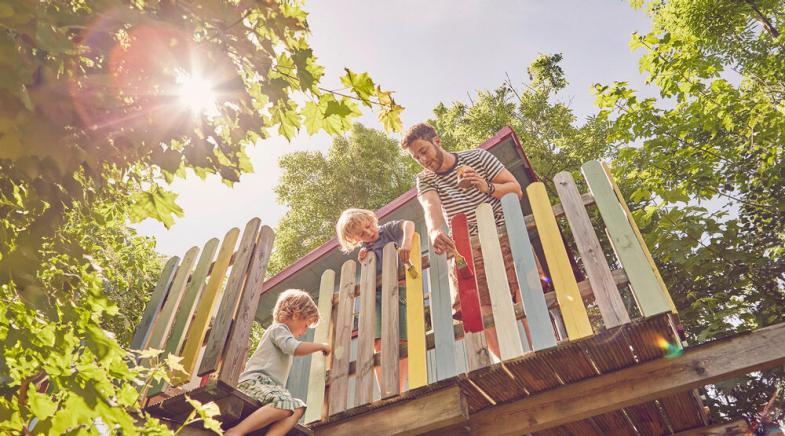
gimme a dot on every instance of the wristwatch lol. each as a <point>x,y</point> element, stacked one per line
<point>491,188</point>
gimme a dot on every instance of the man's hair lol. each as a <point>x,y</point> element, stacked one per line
<point>347,225</point>
<point>422,131</point>
<point>295,303</point>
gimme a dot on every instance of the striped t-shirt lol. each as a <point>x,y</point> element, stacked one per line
<point>456,200</point>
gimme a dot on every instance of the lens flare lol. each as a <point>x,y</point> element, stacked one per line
<point>196,93</point>
<point>671,349</point>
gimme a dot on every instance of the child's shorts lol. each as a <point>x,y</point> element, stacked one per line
<point>268,392</point>
<point>401,312</point>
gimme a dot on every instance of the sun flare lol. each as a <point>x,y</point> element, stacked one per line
<point>197,94</point>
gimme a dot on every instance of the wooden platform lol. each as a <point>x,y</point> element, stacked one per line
<point>233,404</point>
<point>570,362</point>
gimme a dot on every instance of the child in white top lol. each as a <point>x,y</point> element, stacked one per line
<point>267,370</point>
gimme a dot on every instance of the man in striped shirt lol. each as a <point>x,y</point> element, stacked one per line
<point>439,193</point>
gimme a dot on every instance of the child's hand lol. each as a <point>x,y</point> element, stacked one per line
<point>405,251</point>
<point>326,348</point>
<point>362,254</point>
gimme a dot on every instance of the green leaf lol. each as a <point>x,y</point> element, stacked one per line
<point>361,84</point>
<point>41,405</point>
<point>157,204</point>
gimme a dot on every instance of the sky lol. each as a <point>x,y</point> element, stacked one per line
<point>427,52</point>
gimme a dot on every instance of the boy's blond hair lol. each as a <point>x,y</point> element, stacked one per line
<point>295,303</point>
<point>347,226</point>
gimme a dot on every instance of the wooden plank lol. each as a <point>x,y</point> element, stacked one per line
<point>223,319</point>
<point>532,297</point>
<point>198,328</point>
<point>142,332</point>
<point>193,292</point>
<point>698,366</point>
<point>441,317</point>
<point>606,294</point>
<point>416,416</point>
<point>236,348</point>
<point>390,379</point>
<point>475,342</point>
<point>339,372</point>
<point>366,331</point>
<point>576,321</point>
<point>733,428</point>
<point>558,211</point>
<point>638,236</point>
<point>186,308</point>
<point>415,320</point>
<point>496,275</point>
<point>316,376</point>
<point>165,319</point>
<point>645,288</point>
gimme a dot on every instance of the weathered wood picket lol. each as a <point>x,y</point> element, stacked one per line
<point>189,293</point>
<point>543,313</point>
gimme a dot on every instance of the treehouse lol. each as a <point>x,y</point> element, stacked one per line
<point>596,350</point>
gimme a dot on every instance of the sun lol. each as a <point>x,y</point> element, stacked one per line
<point>197,94</point>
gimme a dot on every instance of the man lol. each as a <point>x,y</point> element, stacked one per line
<point>440,194</point>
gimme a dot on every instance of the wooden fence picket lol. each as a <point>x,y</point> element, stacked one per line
<point>145,327</point>
<point>366,332</point>
<point>316,375</point>
<point>204,309</point>
<point>234,286</point>
<point>339,373</point>
<point>165,319</point>
<point>606,294</point>
<point>534,306</point>
<point>236,348</point>
<point>415,318</point>
<point>441,316</point>
<point>638,235</point>
<point>390,383</point>
<point>510,345</point>
<point>576,320</point>
<point>650,297</point>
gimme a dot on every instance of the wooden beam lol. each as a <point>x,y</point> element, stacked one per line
<point>430,412</point>
<point>733,428</point>
<point>697,366</point>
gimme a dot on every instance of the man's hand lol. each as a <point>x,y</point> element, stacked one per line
<point>442,243</point>
<point>326,348</point>
<point>475,180</point>
<point>362,254</point>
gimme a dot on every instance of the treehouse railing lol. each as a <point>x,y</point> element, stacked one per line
<point>328,386</point>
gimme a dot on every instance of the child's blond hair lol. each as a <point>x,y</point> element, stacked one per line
<point>347,226</point>
<point>295,303</point>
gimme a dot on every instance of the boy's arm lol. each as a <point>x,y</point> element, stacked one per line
<point>406,241</point>
<point>306,348</point>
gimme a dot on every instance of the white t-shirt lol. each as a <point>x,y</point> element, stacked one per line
<point>273,357</point>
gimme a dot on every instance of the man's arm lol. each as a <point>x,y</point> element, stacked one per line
<point>434,220</point>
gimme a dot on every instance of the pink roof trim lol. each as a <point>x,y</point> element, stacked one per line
<point>390,207</point>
